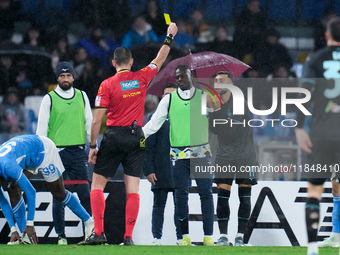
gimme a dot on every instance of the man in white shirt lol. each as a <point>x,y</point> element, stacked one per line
<point>64,117</point>
<point>189,149</point>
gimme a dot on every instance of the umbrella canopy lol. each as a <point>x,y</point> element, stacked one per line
<point>204,64</point>
<point>15,49</point>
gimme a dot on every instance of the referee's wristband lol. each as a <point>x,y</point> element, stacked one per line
<point>168,39</point>
<point>93,146</point>
<point>30,223</point>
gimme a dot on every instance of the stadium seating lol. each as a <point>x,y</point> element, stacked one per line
<point>282,10</point>
<point>215,9</point>
<point>240,4</point>
<point>33,103</point>
<point>32,122</point>
<point>313,9</point>
<point>164,4</point>
<point>182,9</point>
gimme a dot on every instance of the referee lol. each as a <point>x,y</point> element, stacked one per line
<point>122,96</point>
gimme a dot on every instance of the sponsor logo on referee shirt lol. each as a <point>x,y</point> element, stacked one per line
<point>127,85</point>
<point>152,66</point>
<point>97,102</point>
<point>132,94</point>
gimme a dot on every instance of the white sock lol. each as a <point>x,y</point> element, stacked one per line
<point>335,236</point>
<point>89,221</point>
<point>13,229</point>
<point>312,248</point>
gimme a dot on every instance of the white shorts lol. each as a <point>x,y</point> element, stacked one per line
<point>51,167</point>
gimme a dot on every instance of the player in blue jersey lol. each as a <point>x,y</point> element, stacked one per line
<point>35,153</point>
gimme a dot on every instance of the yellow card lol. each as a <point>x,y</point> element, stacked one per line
<point>167,18</point>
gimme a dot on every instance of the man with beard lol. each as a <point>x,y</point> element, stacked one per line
<point>64,116</point>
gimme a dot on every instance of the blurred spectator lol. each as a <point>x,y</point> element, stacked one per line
<point>183,40</point>
<point>141,32</point>
<point>78,61</point>
<point>7,73</point>
<point>33,37</point>
<point>63,47</point>
<point>251,79</point>
<point>115,16</point>
<point>320,29</point>
<point>59,50</point>
<point>151,102</point>
<point>155,18</point>
<point>97,46</point>
<point>198,28</point>
<point>53,16</point>
<point>271,53</point>
<point>55,59</point>
<point>91,12</point>
<point>24,76</point>
<point>13,115</point>
<point>7,18</point>
<point>90,78</point>
<point>280,78</point>
<point>221,44</point>
<point>249,27</point>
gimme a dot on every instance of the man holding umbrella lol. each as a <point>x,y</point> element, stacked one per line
<point>189,149</point>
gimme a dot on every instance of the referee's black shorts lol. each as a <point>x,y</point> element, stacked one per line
<point>120,146</point>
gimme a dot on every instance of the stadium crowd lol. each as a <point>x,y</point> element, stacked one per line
<point>86,33</point>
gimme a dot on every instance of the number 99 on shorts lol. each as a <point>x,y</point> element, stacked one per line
<point>51,169</point>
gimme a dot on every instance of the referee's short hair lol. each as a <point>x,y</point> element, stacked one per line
<point>333,27</point>
<point>122,56</point>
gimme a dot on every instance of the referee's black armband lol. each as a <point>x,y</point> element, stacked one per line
<point>168,39</point>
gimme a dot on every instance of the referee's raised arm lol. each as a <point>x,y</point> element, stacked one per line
<point>165,49</point>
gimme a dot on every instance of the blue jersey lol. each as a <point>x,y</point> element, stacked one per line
<point>19,153</point>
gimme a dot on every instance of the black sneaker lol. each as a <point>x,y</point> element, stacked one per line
<point>94,239</point>
<point>128,241</point>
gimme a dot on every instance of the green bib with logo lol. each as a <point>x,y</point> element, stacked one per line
<point>188,127</point>
<point>66,126</point>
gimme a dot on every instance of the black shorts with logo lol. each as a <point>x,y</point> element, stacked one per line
<point>120,146</point>
<point>227,177</point>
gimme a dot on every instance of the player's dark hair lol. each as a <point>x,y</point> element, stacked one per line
<point>333,27</point>
<point>122,56</point>
<point>183,67</point>
<point>229,74</point>
<point>169,85</point>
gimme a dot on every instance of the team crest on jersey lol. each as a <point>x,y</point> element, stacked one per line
<point>100,89</point>
<point>127,85</point>
<point>97,102</point>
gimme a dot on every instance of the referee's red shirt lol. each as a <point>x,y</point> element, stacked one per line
<point>124,96</point>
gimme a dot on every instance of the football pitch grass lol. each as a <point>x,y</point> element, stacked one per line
<point>156,250</point>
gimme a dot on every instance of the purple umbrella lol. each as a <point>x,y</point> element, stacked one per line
<point>204,64</point>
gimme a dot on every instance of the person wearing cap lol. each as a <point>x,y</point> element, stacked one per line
<point>65,116</point>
